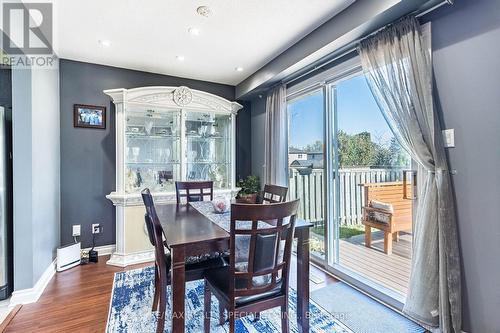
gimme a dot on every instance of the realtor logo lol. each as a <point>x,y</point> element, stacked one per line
<point>27,28</point>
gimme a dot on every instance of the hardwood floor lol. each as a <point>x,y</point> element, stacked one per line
<point>78,300</point>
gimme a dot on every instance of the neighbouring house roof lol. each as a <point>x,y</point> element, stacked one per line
<point>313,164</point>
<point>296,151</point>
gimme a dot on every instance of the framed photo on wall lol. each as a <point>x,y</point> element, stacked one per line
<point>89,116</point>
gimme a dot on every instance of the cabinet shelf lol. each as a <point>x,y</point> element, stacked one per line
<point>205,138</point>
<point>151,163</point>
<point>207,162</point>
<point>151,137</point>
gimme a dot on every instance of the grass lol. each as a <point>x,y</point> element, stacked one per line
<point>345,232</point>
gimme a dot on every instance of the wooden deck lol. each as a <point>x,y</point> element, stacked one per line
<point>392,271</point>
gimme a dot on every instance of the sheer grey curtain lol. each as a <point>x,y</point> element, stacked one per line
<point>276,140</point>
<point>399,72</point>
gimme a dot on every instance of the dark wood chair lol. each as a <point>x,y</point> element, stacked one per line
<point>195,266</point>
<point>194,191</point>
<point>273,194</point>
<point>262,282</point>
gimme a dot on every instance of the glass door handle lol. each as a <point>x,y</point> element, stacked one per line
<point>413,192</point>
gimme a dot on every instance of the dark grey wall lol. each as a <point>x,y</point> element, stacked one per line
<point>466,58</point>
<point>88,155</point>
<point>243,141</point>
<point>258,121</point>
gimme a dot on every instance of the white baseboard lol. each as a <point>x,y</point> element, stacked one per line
<point>104,250</point>
<point>123,260</point>
<point>31,295</point>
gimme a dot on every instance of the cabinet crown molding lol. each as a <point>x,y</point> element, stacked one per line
<point>175,97</point>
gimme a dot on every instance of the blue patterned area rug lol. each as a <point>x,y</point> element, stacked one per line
<point>361,313</point>
<point>131,300</point>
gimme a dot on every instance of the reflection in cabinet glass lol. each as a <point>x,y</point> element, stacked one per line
<point>152,156</point>
<point>208,148</point>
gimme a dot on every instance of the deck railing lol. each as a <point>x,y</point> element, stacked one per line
<point>309,187</point>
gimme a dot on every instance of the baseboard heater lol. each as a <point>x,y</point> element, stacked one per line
<point>68,257</point>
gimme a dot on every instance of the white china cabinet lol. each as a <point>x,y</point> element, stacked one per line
<point>166,134</point>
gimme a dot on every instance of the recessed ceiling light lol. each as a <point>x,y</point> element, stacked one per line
<point>204,11</point>
<point>104,42</point>
<point>180,58</point>
<point>239,69</point>
<point>194,31</point>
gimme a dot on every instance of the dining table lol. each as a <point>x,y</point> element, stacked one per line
<point>195,230</point>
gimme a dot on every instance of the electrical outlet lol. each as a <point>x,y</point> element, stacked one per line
<point>76,230</point>
<point>95,228</point>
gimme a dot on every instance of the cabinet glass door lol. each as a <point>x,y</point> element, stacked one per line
<point>208,148</point>
<point>152,151</point>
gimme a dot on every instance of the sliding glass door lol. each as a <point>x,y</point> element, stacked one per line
<point>344,164</point>
<point>369,167</point>
<point>306,115</point>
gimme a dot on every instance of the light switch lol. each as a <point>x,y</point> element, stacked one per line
<point>449,138</point>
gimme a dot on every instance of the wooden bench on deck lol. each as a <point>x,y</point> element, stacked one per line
<point>399,220</point>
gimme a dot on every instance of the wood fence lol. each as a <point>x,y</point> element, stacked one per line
<point>310,188</point>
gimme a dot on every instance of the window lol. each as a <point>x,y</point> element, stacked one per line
<point>306,181</point>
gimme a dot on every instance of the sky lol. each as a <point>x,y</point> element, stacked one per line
<point>357,112</point>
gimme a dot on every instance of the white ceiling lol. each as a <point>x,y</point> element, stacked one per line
<point>148,35</point>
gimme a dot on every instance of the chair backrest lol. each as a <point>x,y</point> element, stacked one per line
<point>268,262</point>
<point>391,193</point>
<point>274,194</point>
<point>147,198</point>
<point>194,191</point>
<point>155,230</point>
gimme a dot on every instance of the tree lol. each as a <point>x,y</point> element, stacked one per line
<point>355,150</point>
<point>399,156</point>
<point>383,157</point>
<point>358,150</point>
<point>314,147</point>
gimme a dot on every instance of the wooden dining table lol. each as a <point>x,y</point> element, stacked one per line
<point>188,232</point>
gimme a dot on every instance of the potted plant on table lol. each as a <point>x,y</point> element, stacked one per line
<point>250,188</point>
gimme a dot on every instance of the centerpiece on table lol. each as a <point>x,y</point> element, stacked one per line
<point>221,205</point>
<point>250,188</point>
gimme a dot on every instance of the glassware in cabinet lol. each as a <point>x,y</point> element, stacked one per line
<point>208,147</point>
<point>152,149</point>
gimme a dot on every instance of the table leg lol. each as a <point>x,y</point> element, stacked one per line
<point>303,280</point>
<point>178,288</point>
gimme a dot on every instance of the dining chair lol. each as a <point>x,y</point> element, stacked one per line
<point>273,194</point>
<point>194,191</point>
<point>195,266</point>
<point>261,282</point>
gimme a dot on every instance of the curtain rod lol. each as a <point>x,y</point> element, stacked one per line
<point>351,47</point>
